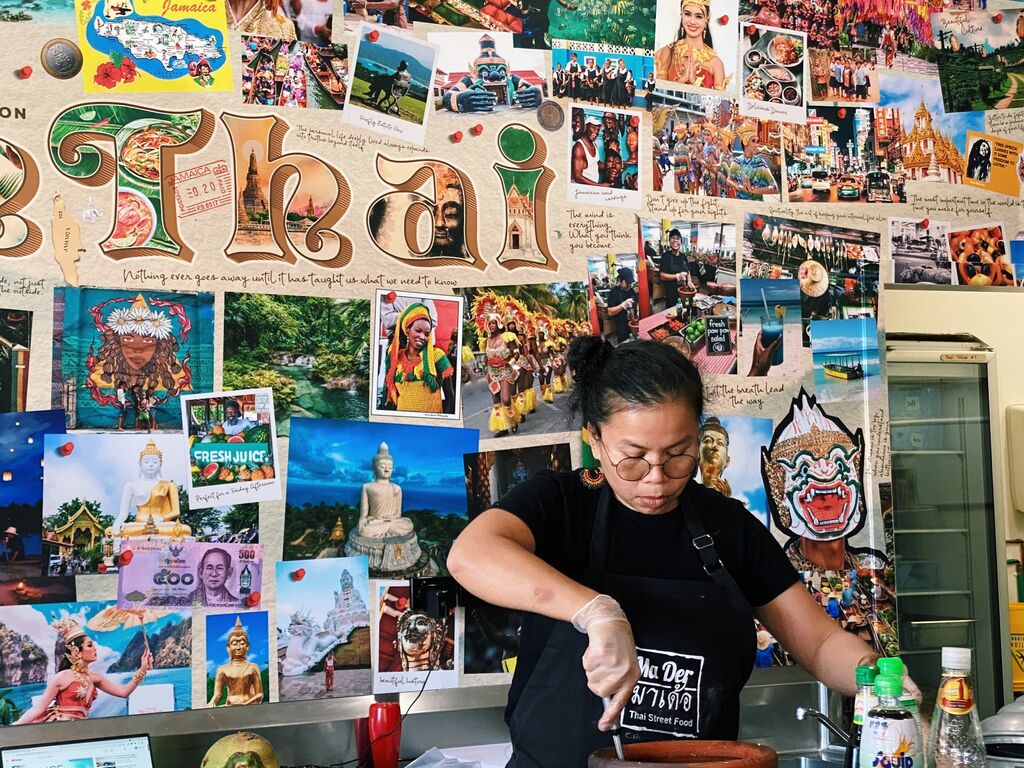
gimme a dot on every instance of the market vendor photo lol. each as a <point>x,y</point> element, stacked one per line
<point>642,541</point>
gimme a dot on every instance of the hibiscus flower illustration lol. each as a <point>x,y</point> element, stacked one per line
<point>128,70</point>
<point>107,75</point>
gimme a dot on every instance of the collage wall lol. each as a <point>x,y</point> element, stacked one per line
<point>286,294</point>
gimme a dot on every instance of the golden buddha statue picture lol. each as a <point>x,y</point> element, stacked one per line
<point>238,681</point>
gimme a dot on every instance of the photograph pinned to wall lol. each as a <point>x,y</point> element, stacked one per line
<point>813,470</point>
<point>838,268</point>
<point>395,14</point>
<point>232,448</point>
<point>482,72</point>
<point>252,17</point>
<point>599,74</point>
<point>992,163</point>
<point>845,359</point>
<point>149,46</point>
<point>915,133</point>
<point>728,460</point>
<point>237,659</point>
<point>691,274</point>
<point>412,644</point>
<point>15,352</point>
<point>980,256</point>
<point>150,653</point>
<point>491,640</point>
<point>518,337</point>
<point>417,352</point>
<point>102,490</point>
<point>770,312</point>
<point>283,73</point>
<point>772,85</point>
<point>393,493</point>
<point>56,12</point>
<point>613,290</point>
<point>123,358</point>
<point>27,565</point>
<point>313,350</point>
<point>313,20</point>
<point>160,574</point>
<point>696,44</point>
<point>623,25</point>
<point>978,55</point>
<point>845,75</point>
<point>833,158</point>
<point>705,148</point>
<point>393,76</point>
<point>323,629</point>
<point>603,160</point>
<point>920,251</point>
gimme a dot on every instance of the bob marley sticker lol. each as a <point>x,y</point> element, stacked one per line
<point>121,359</point>
<point>813,470</point>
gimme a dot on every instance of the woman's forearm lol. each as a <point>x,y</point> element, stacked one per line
<point>502,572</point>
<point>836,660</point>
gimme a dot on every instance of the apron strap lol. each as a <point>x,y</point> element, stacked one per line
<point>705,546</point>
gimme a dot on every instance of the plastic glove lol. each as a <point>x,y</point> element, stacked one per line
<point>611,666</point>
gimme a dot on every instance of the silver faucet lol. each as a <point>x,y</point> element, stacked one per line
<point>802,713</point>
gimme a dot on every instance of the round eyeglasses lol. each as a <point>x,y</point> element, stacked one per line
<point>633,468</point>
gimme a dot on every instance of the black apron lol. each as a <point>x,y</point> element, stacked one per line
<point>695,644</point>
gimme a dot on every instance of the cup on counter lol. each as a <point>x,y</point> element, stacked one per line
<point>772,328</point>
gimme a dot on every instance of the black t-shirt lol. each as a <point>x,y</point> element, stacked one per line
<point>560,510</point>
<point>703,271</point>
<point>673,264</point>
<point>615,297</point>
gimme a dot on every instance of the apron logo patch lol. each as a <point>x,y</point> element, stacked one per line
<point>667,697</point>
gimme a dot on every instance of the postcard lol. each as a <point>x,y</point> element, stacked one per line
<point>773,74</point>
<point>147,46</point>
<point>603,165</point>
<point>919,251</point>
<point>323,629</point>
<point>696,45</point>
<point>416,355</point>
<point>232,447</point>
<point>392,79</point>
<point>414,649</point>
<point>237,659</point>
<point>992,163</point>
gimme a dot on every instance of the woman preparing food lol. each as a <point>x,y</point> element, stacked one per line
<point>637,570</point>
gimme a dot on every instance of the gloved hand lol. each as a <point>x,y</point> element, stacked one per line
<point>610,659</point>
<point>474,100</point>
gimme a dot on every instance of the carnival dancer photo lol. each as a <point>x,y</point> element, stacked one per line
<point>597,558</point>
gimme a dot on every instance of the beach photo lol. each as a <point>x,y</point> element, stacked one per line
<point>770,313</point>
<point>845,358</point>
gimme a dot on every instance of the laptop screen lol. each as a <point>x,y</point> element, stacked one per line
<point>125,752</point>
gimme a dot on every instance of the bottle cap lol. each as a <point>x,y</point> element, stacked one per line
<point>892,666</point>
<point>866,675</point>
<point>889,687</point>
<point>956,658</point>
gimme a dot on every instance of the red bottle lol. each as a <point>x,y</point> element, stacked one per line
<point>385,733</point>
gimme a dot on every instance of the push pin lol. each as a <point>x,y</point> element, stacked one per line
<point>456,137</point>
<point>723,20</point>
<point>25,72</point>
<point>253,599</point>
<point>373,35</point>
<point>125,558</point>
<point>102,567</point>
<point>997,19</point>
<point>751,29</point>
<point>925,223</point>
<point>298,575</point>
<point>477,129</point>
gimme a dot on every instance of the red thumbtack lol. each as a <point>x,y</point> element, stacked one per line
<point>924,223</point>
<point>102,567</point>
<point>125,557</point>
<point>456,137</point>
<point>723,20</point>
<point>25,72</point>
<point>372,37</point>
<point>253,599</point>
<point>477,129</point>
<point>299,575</point>
<point>998,18</point>
<point>751,29</point>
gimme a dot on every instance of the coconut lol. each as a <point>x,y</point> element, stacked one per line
<point>241,750</point>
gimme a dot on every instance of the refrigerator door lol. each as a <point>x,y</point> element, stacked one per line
<point>947,514</point>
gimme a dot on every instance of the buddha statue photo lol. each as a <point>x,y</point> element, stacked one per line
<point>149,505</point>
<point>382,533</point>
<point>239,677</point>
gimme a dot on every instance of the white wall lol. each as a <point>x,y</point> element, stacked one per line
<point>996,316</point>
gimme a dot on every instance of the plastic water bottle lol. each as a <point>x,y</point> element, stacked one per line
<point>863,704</point>
<point>891,737</point>
<point>956,740</point>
